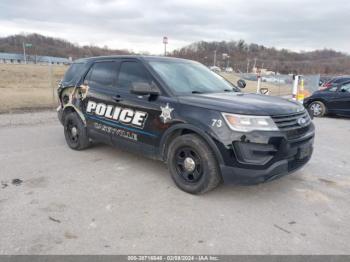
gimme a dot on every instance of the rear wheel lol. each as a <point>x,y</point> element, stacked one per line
<point>193,165</point>
<point>75,132</point>
<point>317,108</point>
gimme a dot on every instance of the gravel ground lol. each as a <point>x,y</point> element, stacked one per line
<point>54,200</point>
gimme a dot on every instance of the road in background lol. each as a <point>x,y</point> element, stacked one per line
<point>54,200</point>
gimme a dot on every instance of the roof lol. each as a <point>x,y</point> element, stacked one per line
<point>141,57</point>
<point>40,59</point>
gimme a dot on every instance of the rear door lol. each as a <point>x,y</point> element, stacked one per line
<point>141,136</point>
<point>98,104</point>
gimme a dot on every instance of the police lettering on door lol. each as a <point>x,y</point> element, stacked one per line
<point>122,115</point>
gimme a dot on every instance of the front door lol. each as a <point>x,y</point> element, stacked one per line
<point>342,101</point>
<point>143,126</point>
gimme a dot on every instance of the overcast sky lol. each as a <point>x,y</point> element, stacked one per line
<point>140,25</point>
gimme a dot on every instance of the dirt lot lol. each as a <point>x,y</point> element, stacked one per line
<point>28,86</point>
<point>54,200</point>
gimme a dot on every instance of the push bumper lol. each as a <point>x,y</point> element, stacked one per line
<point>296,157</point>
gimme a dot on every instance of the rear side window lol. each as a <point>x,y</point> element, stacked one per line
<point>131,72</point>
<point>345,88</point>
<point>103,74</point>
<point>73,72</point>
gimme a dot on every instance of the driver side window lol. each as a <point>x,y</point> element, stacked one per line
<point>131,72</point>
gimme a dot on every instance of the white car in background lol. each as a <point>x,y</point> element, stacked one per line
<point>215,68</point>
<point>273,79</point>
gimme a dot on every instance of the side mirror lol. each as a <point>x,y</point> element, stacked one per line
<point>144,88</point>
<point>241,83</point>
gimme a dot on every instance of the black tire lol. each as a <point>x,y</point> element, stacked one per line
<point>205,175</point>
<point>75,132</point>
<point>317,109</point>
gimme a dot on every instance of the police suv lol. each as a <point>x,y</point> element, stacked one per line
<point>180,112</point>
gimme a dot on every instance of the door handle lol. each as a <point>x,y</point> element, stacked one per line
<point>117,98</point>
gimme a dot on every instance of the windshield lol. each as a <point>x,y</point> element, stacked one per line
<point>191,77</point>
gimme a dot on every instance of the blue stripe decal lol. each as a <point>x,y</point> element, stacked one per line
<point>112,123</point>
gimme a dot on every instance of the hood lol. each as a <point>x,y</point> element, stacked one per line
<point>243,103</point>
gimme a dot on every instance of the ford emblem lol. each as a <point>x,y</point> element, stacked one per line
<point>301,121</point>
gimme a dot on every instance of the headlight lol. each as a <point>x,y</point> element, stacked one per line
<point>245,123</point>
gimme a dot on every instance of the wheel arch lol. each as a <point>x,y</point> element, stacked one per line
<point>71,108</point>
<point>182,129</point>
<point>316,99</point>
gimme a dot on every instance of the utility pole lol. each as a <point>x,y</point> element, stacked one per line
<point>248,61</point>
<point>24,53</point>
<point>214,57</point>
<point>165,42</point>
<point>226,58</point>
<point>254,63</point>
<point>24,50</point>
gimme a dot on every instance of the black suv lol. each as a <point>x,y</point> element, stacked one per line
<point>331,100</point>
<point>180,112</point>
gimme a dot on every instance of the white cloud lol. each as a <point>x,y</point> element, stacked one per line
<point>140,25</point>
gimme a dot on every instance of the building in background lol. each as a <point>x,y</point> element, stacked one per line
<point>12,58</point>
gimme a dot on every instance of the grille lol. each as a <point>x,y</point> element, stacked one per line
<point>290,123</point>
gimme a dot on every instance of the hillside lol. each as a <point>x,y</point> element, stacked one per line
<point>42,45</point>
<point>324,61</point>
<point>284,61</point>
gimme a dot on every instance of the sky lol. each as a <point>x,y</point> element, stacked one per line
<point>140,25</point>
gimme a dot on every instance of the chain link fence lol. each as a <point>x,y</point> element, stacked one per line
<point>29,86</point>
<point>276,85</point>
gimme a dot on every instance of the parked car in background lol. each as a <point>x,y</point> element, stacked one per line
<point>273,79</point>
<point>228,69</point>
<point>331,100</point>
<point>215,69</point>
<point>250,77</point>
<point>336,81</point>
<point>323,80</point>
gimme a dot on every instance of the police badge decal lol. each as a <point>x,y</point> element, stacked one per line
<point>166,113</point>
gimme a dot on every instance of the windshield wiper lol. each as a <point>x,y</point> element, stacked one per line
<point>196,92</point>
<point>231,90</point>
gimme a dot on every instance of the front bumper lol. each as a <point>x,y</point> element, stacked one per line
<point>290,157</point>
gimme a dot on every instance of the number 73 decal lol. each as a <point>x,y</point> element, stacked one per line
<point>216,122</point>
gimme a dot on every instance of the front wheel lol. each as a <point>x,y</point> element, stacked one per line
<point>317,109</point>
<point>193,165</point>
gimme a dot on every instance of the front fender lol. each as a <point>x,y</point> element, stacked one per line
<point>69,107</point>
<point>179,128</point>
